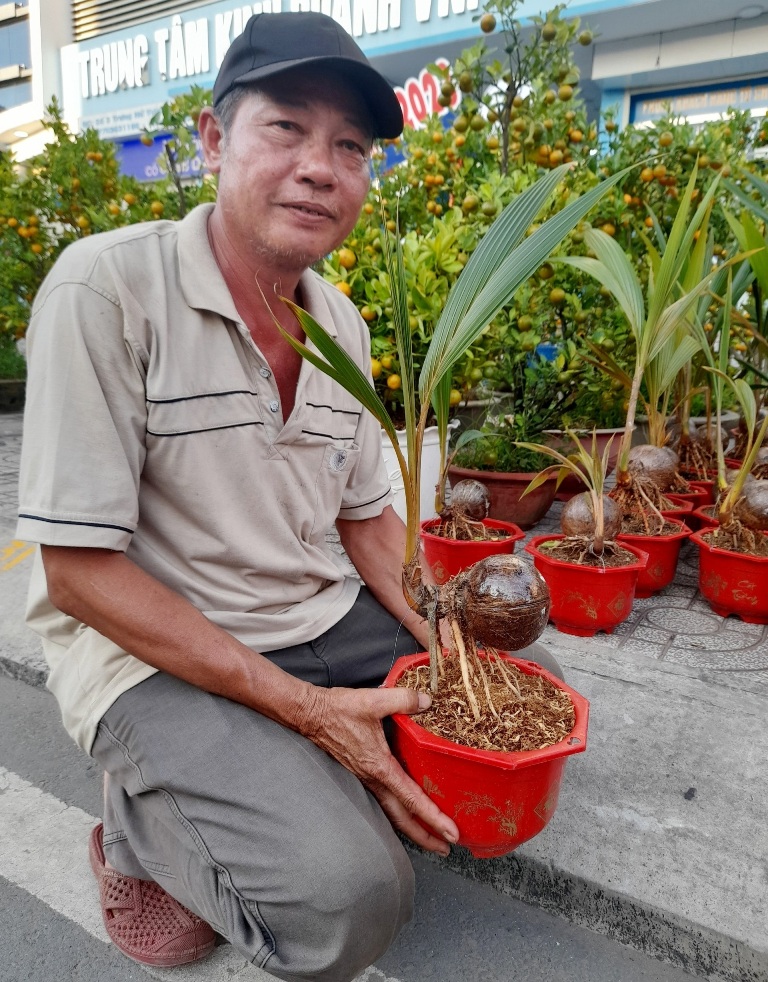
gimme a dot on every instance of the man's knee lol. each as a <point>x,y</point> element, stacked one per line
<point>355,902</point>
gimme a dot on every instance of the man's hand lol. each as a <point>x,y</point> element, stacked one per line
<point>346,723</point>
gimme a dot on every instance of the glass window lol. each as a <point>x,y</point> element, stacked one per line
<point>15,94</point>
<point>14,43</point>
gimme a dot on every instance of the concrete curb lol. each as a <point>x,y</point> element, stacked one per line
<point>617,916</point>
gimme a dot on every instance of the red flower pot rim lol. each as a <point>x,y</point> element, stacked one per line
<point>685,504</point>
<point>514,532</point>
<point>513,760</point>
<point>704,513</point>
<point>536,541</point>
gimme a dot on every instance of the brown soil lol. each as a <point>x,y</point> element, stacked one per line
<point>636,526</point>
<point>575,550</point>
<point>538,715</point>
<point>736,537</point>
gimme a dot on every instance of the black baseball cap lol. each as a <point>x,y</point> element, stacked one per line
<point>274,43</point>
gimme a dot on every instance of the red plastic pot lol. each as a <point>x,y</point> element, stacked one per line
<point>696,496</point>
<point>732,582</point>
<point>447,557</point>
<point>587,599</point>
<point>663,553</point>
<point>505,489</point>
<point>683,511</point>
<point>705,516</point>
<point>709,489</point>
<point>498,800</point>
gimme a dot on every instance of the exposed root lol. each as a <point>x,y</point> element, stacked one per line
<point>680,485</point>
<point>457,525</point>
<point>640,500</point>
<point>579,551</point>
<point>463,661</point>
<point>697,458</point>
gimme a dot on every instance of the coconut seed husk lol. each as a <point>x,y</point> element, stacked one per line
<point>707,435</point>
<point>752,507</point>
<point>470,498</point>
<point>760,466</point>
<point>655,464</point>
<point>530,714</point>
<point>577,518</point>
<point>503,601</point>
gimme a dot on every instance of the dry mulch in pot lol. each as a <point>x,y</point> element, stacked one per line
<point>529,715</point>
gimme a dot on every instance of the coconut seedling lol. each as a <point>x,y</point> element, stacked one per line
<point>590,520</point>
<point>742,508</point>
<point>661,328</point>
<point>502,602</point>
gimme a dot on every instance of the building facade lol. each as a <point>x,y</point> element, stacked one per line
<point>111,64</point>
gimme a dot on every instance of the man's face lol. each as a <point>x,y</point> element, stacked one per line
<point>293,169</point>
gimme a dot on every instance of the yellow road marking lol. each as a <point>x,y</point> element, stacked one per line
<point>14,553</point>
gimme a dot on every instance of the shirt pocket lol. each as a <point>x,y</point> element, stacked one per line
<point>338,463</point>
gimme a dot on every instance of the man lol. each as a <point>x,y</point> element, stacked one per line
<point>181,467</point>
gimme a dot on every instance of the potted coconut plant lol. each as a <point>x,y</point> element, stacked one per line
<point>499,604</point>
<point>664,341</point>
<point>531,403</point>
<point>733,553</point>
<point>592,578</point>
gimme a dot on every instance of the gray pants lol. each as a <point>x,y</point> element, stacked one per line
<point>272,842</point>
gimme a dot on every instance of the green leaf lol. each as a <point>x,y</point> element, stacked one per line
<point>475,299</point>
<point>337,364</point>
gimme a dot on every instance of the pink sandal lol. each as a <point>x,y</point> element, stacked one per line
<point>144,921</point>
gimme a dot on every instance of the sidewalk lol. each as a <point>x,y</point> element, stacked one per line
<point>660,837</point>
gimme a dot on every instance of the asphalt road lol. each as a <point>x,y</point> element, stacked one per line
<point>50,924</point>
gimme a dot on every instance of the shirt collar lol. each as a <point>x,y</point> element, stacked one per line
<point>204,286</point>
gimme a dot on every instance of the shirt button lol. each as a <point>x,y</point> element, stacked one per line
<point>264,372</point>
<point>274,405</point>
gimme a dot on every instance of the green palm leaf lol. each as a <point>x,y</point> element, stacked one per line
<point>453,335</point>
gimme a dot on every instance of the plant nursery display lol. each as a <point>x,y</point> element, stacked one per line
<point>733,552</point>
<point>592,578</point>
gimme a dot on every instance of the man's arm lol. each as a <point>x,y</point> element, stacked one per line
<point>376,548</point>
<point>107,591</point>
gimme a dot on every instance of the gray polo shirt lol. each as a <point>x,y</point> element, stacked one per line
<point>153,426</point>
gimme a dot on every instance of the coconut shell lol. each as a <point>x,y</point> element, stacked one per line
<point>506,602</point>
<point>707,434</point>
<point>752,508</point>
<point>656,464</point>
<point>577,518</point>
<point>760,466</point>
<point>471,498</point>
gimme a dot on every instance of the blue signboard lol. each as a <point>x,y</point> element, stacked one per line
<point>147,163</point>
<point>116,81</point>
<point>701,100</point>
